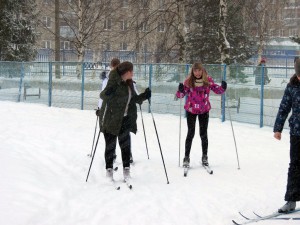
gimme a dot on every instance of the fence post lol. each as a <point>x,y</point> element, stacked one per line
<point>223,97</point>
<point>82,85</point>
<point>262,84</point>
<point>21,81</point>
<point>150,83</point>
<point>50,85</point>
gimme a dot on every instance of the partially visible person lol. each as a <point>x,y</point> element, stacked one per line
<point>119,114</point>
<point>261,68</point>
<point>105,76</point>
<point>291,102</point>
<point>197,87</point>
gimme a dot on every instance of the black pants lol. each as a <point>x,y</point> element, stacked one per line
<point>124,142</point>
<point>203,124</point>
<point>293,184</point>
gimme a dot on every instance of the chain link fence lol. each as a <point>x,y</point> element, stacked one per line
<point>77,85</point>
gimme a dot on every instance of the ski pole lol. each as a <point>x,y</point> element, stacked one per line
<point>179,131</point>
<point>144,131</point>
<point>94,138</point>
<point>232,132</point>
<point>162,157</point>
<point>87,177</point>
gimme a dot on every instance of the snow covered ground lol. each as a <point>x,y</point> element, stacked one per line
<point>44,163</point>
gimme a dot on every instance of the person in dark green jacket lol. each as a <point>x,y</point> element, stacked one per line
<point>119,114</point>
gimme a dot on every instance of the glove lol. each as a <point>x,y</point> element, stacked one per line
<point>224,85</point>
<point>181,88</point>
<point>147,93</point>
<point>98,112</point>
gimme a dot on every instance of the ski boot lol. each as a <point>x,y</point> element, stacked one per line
<point>110,173</point>
<point>186,162</point>
<point>289,206</point>
<point>205,160</point>
<point>126,173</point>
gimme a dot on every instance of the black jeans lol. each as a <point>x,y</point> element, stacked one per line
<point>203,124</point>
<point>124,142</point>
<point>293,184</point>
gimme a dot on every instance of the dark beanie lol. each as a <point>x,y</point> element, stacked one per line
<point>297,66</point>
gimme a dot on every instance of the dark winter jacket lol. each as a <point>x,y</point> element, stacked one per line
<point>198,97</point>
<point>290,101</point>
<point>115,98</point>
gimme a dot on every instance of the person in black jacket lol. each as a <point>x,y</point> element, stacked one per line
<point>291,101</point>
<point>118,116</point>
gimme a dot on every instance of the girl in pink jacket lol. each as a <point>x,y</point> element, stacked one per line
<point>197,87</point>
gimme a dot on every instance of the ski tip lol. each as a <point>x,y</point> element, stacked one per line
<point>235,222</point>
<point>211,172</point>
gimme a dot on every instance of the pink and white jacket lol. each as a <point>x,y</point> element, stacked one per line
<point>198,97</point>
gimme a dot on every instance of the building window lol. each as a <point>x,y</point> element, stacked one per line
<point>123,25</point>
<point>107,24</point>
<point>144,47</point>
<point>123,46</point>
<point>281,33</point>
<point>46,44</point>
<point>161,4</point>
<point>143,26</point>
<point>161,27</point>
<point>64,45</point>
<point>293,32</point>
<point>144,4</point>
<point>47,21</point>
<point>124,3</point>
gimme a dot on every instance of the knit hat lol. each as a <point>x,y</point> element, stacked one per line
<point>263,60</point>
<point>297,67</point>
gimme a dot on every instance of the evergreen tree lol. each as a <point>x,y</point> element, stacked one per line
<point>203,41</point>
<point>296,39</point>
<point>17,35</point>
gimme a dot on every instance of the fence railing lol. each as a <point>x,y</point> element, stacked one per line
<point>250,96</point>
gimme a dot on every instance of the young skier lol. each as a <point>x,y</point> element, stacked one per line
<point>118,116</point>
<point>197,87</point>
<point>291,101</point>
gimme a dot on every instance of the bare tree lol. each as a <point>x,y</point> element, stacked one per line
<point>263,16</point>
<point>224,44</point>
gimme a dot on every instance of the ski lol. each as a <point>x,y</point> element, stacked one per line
<point>128,183</point>
<point>208,169</point>
<point>267,217</point>
<point>185,170</point>
<point>115,184</point>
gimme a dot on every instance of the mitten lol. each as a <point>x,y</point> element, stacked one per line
<point>147,93</point>
<point>98,112</point>
<point>224,85</point>
<point>181,88</point>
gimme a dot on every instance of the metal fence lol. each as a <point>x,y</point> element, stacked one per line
<point>77,85</point>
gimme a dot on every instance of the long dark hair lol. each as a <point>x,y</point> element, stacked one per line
<point>124,67</point>
<point>191,78</point>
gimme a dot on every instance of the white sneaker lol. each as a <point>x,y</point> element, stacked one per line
<point>289,206</point>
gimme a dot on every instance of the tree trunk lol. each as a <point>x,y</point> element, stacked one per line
<point>57,40</point>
